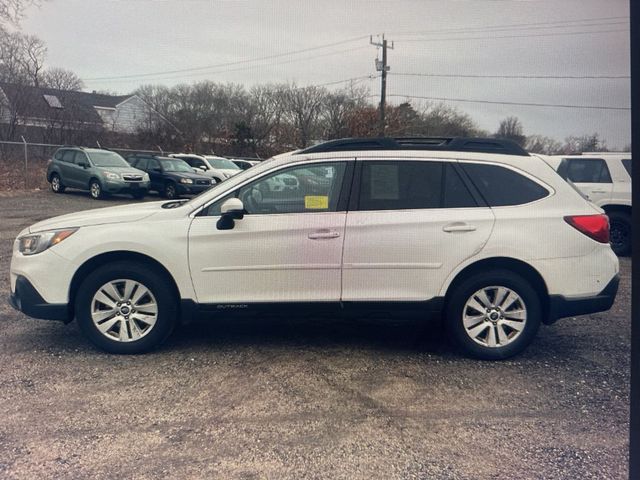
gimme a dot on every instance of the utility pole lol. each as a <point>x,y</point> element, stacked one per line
<point>381,66</point>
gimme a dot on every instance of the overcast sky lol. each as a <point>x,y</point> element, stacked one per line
<point>101,39</point>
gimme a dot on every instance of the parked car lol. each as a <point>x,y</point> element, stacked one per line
<point>218,168</point>
<point>605,179</point>
<point>476,229</point>
<point>244,164</point>
<point>101,172</point>
<point>170,177</point>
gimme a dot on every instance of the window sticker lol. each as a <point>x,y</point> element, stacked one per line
<point>316,202</point>
<point>384,182</point>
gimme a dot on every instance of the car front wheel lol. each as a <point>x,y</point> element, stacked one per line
<point>56,184</point>
<point>493,315</point>
<point>95,190</point>
<point>126,308</point>
<point>170,191</point>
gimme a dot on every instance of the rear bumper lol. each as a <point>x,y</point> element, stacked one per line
<point>27,300</point>
<point>561,307</point>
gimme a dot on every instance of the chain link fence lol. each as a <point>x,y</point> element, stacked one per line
<point>23,165</point>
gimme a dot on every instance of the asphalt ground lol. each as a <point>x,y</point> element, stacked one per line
<point>296,398</point>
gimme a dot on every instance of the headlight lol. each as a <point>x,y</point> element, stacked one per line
<point>186,180</point>
<point>112,176</point>
<point>39,242</point>
<point>145,177</point>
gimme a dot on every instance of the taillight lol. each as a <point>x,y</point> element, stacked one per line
<point>593,226</point>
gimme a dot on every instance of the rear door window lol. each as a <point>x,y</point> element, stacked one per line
<point>68,156</point>
<point>585,170</point>
<point>501,186</point>
<point>410,185</point>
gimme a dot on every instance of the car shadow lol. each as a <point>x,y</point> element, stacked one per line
<point>367,333</point>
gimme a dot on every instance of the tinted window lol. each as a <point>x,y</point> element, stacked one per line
<point>585,170</point>
<point>58,155</point>
<point>500,186</point>
<point>141,163</point>
<point>68,156</point>
<point>627,165</point>
<point>400,185</point>
<point>80,159</point>
<point>153,164</point>
<point>456,194</point>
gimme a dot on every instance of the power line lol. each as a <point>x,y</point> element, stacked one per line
<point>559,34</point>
<point>247,67</point>
<point>576,77</point>
<point>239,62</point>
<point>553,24</point>
<point>555,105</point>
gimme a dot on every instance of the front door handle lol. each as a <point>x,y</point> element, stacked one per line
<point>323,234</point>
<point>458,227</point>
<point>598,191</point>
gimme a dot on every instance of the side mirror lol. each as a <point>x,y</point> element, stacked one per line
<point>231,210</point>
<point>84,165</point>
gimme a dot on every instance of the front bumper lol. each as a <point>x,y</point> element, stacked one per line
<point>126,187</point>
<point>187,189</point>
<point>561,307</point>
<point>27,300</point>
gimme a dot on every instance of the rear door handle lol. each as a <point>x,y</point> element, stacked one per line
<point>323,234</point>
<point>458,227</point>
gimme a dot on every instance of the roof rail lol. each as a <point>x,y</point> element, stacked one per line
<point>461,144</point>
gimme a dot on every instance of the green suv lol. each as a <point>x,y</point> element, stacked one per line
<point>101,172</point>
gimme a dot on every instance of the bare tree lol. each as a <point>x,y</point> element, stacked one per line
<point>584,143</point>
<point>511,129</point>
<point>62,79</point>
<point>542,144</point>
<point>12,11</point>
<point>302,106</point>
<point>35,52</point>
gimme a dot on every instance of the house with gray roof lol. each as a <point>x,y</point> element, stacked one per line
<point>41,107</point>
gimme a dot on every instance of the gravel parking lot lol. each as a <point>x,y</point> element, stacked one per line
<point>306,397</point>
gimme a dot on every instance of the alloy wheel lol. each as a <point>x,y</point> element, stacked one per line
<point>124,310</point>
<point>494,316</point>
<point>619,233</point>
<point>96,191</point>
<point>55,183</point>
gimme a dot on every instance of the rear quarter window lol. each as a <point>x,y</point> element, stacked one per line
<point>626,163</point>
<point>503,187</point>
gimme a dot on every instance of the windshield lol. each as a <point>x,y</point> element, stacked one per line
<point>107,159</point>
<point>176,165</point>
<point>222,163</point>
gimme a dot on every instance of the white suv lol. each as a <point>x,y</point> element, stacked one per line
<point>218,168</point>
<point>474,228</point>
<point>605,179</point>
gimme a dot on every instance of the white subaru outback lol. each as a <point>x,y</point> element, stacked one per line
<point>474,228</point>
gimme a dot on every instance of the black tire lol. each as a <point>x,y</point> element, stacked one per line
<point>56,184</point>
<point>170,191</point>
<point>95,190</point>
<point>467,288</point>
<point>620,232</point>
<point>155,281</point>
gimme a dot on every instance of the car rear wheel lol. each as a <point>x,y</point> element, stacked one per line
<point>620,232</point>
<point>95,190</point>
<point>126,308</point>
<point>493,315</point>
<point>56,184</point>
